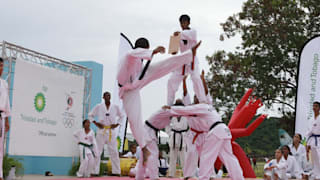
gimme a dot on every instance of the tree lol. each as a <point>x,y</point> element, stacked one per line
<point>272,33</point>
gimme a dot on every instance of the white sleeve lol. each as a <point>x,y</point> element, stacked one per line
<point>209,99</point>
<point>190,35</point>
<point>186,100</point>
<point>282,165</point>
<point>76,135</point>
<point>198,109</point>
<point>309,129</point>
<point>128,154</point>
<point>93,113</point>
<point>121,115</point>
<point>268,164</point>
<point>140,53</point>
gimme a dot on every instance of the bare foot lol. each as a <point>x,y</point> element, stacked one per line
<point>194,48</point>
<point>145,154</point>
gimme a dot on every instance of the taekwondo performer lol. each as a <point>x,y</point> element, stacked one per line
<point>131,79</point>
<point>212,138</point>
<point>4,114</point>
<point>177,129</point>
<point>299,152</point>
<point>159,120</point>
<point>313,142</point>
<point>107,133</point>
<point>191,156</point>
<point>276,168</point>
<point>88,149</point>
<point>188,40</point>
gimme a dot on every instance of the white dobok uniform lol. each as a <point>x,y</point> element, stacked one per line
<point>313,141</point>
<point>301,157</point>
<point>280,169</point>
<point>191,155</point>
<point>177,130</point>
<point>88,151</point>
<point>188,40</point>
<point>212,139</point>
<point>5,112</point>
<point>130,155</point>
<point>108,136</point>
<point>128,79</point>
<point>157,121</point>
<point>293,170</point>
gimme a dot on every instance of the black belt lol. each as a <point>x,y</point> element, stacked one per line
<point>154,128</point>
<point>90,146</point>
<point>174,137</point>
<point>315,138</point>
<point>215,124</point>
<point>144,70</point>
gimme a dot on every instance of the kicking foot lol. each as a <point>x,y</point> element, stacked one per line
<point>194,48</point>
<point>145,154</point>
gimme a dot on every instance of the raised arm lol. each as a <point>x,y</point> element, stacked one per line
<point>191,110</point>
<point>204,83</point>
<point>185,89</point>
<point>190,35</point>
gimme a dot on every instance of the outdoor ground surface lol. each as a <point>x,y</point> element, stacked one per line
<point>258,170</point>
<point>40,177</point>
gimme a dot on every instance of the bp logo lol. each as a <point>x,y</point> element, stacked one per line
<point>39,102</point>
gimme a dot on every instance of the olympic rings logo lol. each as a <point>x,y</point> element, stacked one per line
<point>68,122</point>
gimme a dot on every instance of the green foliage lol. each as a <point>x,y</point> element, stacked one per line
<point>75,167</point>
<point>103,169</point>
<point>272,33</point>
<point>8,162</point>
<point>264,140</point>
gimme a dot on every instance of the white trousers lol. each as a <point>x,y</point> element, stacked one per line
<point>174,153</point>
<point>131,92</point>
<point>214,147</point>
<point>2,121</point>
<point>102,139</point>
<point>175,80</point>
<point>87,164</point>
<point>191,156</point>
<point>315,155</point>
<point>151,165</point>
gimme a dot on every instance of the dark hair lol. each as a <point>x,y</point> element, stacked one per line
<point>317,102</point>
<point>106,93</point>
<point>184,17</point>
<point>300,136</point>
<point>83,122</point>
<point>286,146</point>
<point>141,43</point>
<point>1,60</point>
<point>179,103</point>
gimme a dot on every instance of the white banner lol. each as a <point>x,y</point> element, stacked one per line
<point>308,84</point>
<point>47,107</point>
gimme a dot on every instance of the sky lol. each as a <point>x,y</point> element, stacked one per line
<point>83,30</point>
